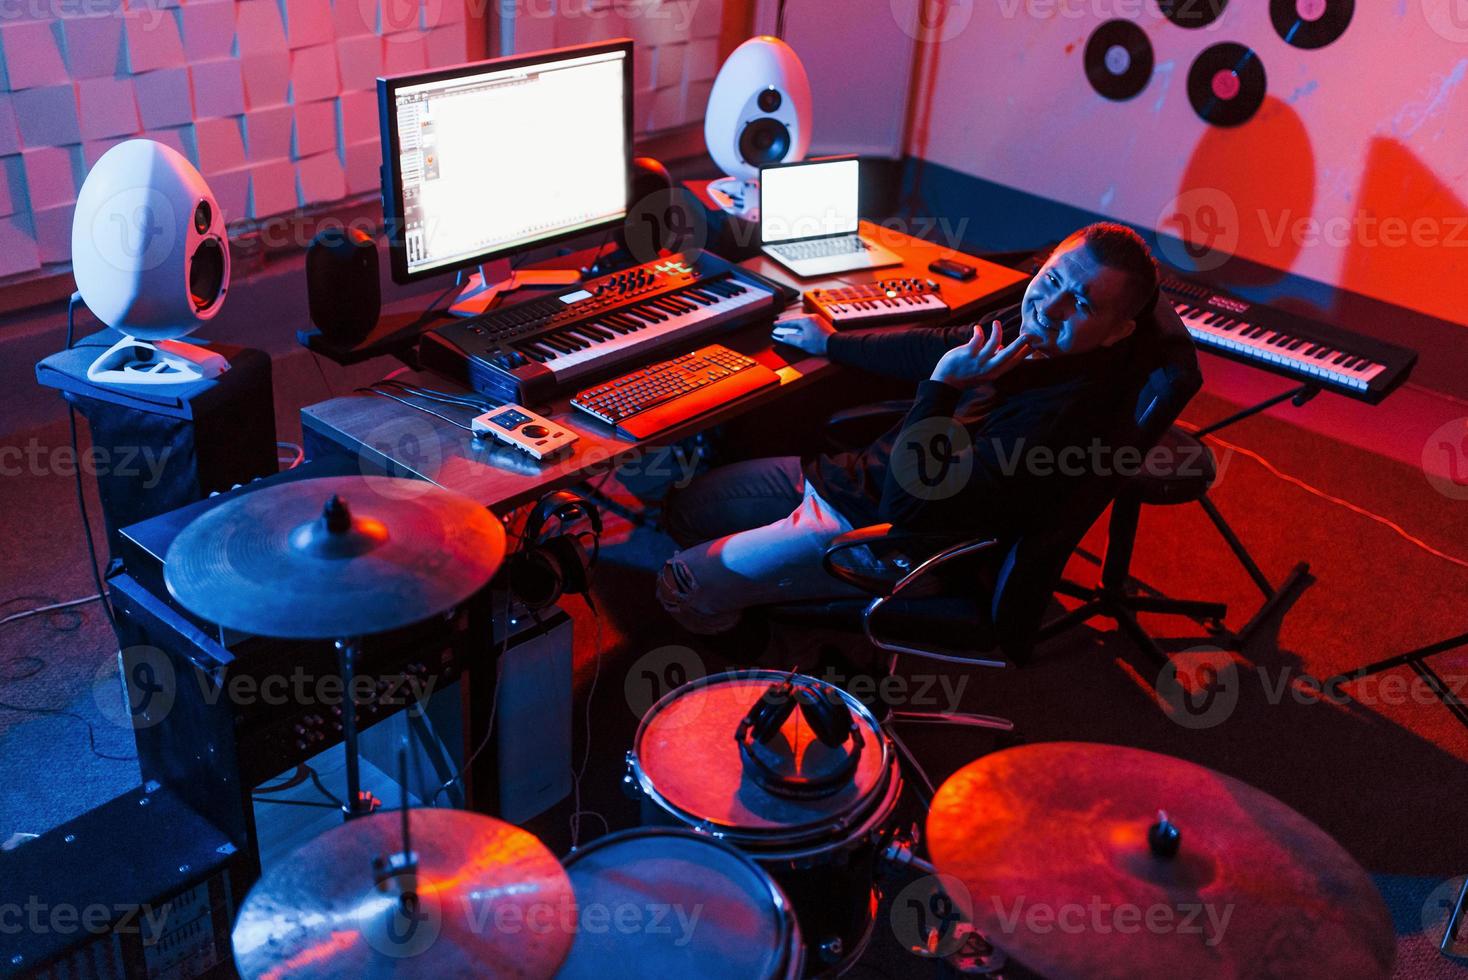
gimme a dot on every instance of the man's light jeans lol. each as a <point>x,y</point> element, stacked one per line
<point>705,587</point>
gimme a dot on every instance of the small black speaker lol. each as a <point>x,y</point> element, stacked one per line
<point>342,285</point>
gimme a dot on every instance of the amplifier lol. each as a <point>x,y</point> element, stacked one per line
<point>139,887</point>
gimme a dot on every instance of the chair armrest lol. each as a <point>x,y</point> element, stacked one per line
<point>882,536</point>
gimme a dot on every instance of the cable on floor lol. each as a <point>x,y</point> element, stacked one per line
<point>1354,508</point>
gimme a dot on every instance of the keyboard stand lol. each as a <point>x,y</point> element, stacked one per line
<point>1299,576</point>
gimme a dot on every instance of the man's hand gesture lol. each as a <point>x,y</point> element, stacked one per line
<point>980,361</point>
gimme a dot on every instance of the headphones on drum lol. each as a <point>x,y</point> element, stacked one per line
<point>828,716</point>
<point>547,568</point>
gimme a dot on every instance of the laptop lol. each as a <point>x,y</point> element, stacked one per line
<point>808,218</point>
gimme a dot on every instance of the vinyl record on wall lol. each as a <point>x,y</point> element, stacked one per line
<point>1192,13</point>
<point>1226,84</point>
<point>1119,60</point>
<point>1311,24</point>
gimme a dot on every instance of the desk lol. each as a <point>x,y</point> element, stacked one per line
<point>384,436</point>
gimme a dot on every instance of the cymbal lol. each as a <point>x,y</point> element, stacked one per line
<point>334,558</point>
<point>1050,842</point>
<point>491,901</point>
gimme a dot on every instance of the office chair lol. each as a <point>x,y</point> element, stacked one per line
<point>994,593</point>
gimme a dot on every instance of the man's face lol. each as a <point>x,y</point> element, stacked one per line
<point>1075,304</point>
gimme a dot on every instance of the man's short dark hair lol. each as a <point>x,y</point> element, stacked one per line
<point>1121,248</point>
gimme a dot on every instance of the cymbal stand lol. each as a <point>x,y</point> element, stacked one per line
<point>358,803</point>
<point>403,864</point>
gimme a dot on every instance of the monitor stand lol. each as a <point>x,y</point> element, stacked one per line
<point>479,293</point>
<point>165,362</point>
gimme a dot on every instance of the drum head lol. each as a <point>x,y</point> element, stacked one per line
<point>671,903</point>
<point>688,757</point>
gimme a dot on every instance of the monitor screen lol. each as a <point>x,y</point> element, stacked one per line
<point>809,200</point>
<point>488,159</point>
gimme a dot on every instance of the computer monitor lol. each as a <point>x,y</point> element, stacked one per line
<point>814,199</point>
<point>486,159</point>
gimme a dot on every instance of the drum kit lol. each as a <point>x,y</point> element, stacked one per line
<point>769,805</point>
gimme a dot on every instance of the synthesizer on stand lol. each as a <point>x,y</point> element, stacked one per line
<point>1330,357</point>
<point>533,351</point>
<point>874,303</point>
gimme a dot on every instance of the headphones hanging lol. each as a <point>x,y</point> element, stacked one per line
<point>547,568</point>
<point>829,718</point>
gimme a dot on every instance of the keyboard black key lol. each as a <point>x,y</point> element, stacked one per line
<point>558,343</point>
<point>588,335</point>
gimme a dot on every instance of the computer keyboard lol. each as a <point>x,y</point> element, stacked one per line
<point>822,248</point>
<point>661,396</point>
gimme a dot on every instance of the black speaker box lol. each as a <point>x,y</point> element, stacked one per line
<point>342,285</point>
<point>157,450</point>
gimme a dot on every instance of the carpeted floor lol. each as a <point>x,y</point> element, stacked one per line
<point>1385,773</point>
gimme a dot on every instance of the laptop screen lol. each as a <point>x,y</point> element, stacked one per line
<point>809,200</point>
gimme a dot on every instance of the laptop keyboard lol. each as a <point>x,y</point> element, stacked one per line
<point>822,248</point>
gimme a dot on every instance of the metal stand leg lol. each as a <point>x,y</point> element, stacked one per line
<point>1450,943</point>
<point>358,804</point>
<point>1272,596</point>
<point>1416,659</point>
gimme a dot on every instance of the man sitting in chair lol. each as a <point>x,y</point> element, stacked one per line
<point>1001,421</point>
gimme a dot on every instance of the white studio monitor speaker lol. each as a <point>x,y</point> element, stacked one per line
<point>759,114</point>
<point>151,260</point>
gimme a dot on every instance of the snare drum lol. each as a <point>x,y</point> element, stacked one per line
<point>672,903</point>
<point>687,766</point>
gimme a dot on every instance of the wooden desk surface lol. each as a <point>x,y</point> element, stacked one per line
<point>388,437</point>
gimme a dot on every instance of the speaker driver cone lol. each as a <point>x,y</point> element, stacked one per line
<point>764,141</point>
<point>206,274</point>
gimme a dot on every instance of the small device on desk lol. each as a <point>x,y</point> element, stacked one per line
<point>810,216</point>
<point>657,398</point>
<point>884,301</point>
<point>953,269</point>
<point>523,429</point>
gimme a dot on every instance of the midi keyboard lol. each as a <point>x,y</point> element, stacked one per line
<point>554,345</point>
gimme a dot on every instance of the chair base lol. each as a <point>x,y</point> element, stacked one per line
<point>1123,607</point>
